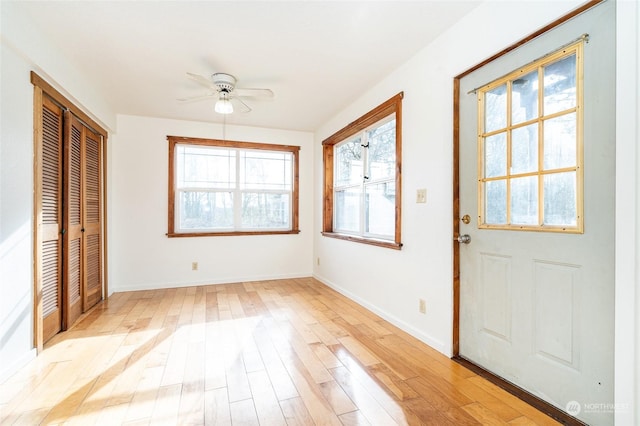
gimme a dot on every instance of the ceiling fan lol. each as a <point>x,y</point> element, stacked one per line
<point>223,87</point>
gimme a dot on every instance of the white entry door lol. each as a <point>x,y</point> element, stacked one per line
<point>537,150</point>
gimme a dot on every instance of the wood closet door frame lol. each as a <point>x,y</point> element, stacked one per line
<point>42,89</point>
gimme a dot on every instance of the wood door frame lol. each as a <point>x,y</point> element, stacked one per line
<point>42,88</point>
<point>510,387</point>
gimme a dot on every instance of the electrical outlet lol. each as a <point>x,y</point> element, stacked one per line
<point>421,195</point>
<point>194,266</point>
<point>422,306</point>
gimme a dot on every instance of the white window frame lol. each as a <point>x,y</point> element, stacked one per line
<point>365,182</point>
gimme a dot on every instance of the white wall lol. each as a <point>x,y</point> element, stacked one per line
<point>390,282</point>
<point>142,257</point>
<point>627,350</point>
<point>16,186</point>
<point>22,50</point>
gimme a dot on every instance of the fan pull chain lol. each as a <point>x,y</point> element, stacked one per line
<point>224,127</point>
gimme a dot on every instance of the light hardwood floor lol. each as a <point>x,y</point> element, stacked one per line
<point>271,353</point>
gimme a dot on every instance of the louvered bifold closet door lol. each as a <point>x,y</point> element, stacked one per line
<point>50,222</point>
<point>92,218</point>
<point>72,220</point>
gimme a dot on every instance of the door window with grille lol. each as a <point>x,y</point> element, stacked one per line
<point>530,146</point>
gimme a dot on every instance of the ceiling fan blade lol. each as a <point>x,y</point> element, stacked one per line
<point>239,106</point>
<point>202,80</point>
<point>197,98</point>
<point>253,93</point>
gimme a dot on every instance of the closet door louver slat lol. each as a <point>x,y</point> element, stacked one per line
<point>72,220</point>
<point>92,220</point>
<point>51,218</point>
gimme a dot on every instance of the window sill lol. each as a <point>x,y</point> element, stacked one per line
<point>228,234</point>
<point>362,240</point>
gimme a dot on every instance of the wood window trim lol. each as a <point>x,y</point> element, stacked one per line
<point>295,193</point>
<point>392,105</point>
<point>43,89</point>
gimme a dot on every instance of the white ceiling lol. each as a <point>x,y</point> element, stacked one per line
<point>317,56</point>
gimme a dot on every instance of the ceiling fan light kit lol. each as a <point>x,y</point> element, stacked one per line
<point>223,86</point>
<point>223,105</point>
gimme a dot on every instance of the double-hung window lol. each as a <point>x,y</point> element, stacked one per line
<point>226,188</point>
<point>362,178</point>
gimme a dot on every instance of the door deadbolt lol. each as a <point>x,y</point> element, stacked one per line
<point>466,219</point>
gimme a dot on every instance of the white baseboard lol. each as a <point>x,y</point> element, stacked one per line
<point>418,334</point>
<point>10,370</point>
<point>228,280</point>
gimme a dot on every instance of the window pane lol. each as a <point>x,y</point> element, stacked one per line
<point>265,170</point>
<point>495,202</point>
<point>524,99</point>
<point>205,210</point>
<point>205,167</point>
<point>495,111</point>
<point>382,151</point>
<point>380,208</point>
<point>265,211</point>
<point>347,210</point>
<point>524,149</point>
<point>495,155</point>
<point>348,162</point>
<point>560,85</point>
<point>560,199</point>
<point>524,201</point>
<point>560,142</point>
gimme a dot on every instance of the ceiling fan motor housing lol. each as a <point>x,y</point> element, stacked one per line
<point>225,82</point>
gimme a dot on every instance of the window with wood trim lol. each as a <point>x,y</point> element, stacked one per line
<point>530,146</point>
<point>221,187</point>
<point>362,178</point>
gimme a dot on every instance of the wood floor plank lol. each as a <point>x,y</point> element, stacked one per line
<point>264,398</point>
<point>483,414</point>
<point>337,398</point>
<point>275,352</point>
<point>520,406</point>
<point>217,410</point>
<point>296,413</point>
<point>191,409</point>
<point>394,384</point>
<point>354,418</point>
<point>167,404</point>
<point>447,404</point>
<point>145,395</point>
<point>280,380</point>
<point>326,337</point>
<point>359,394</point>
<point>243,413</point>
